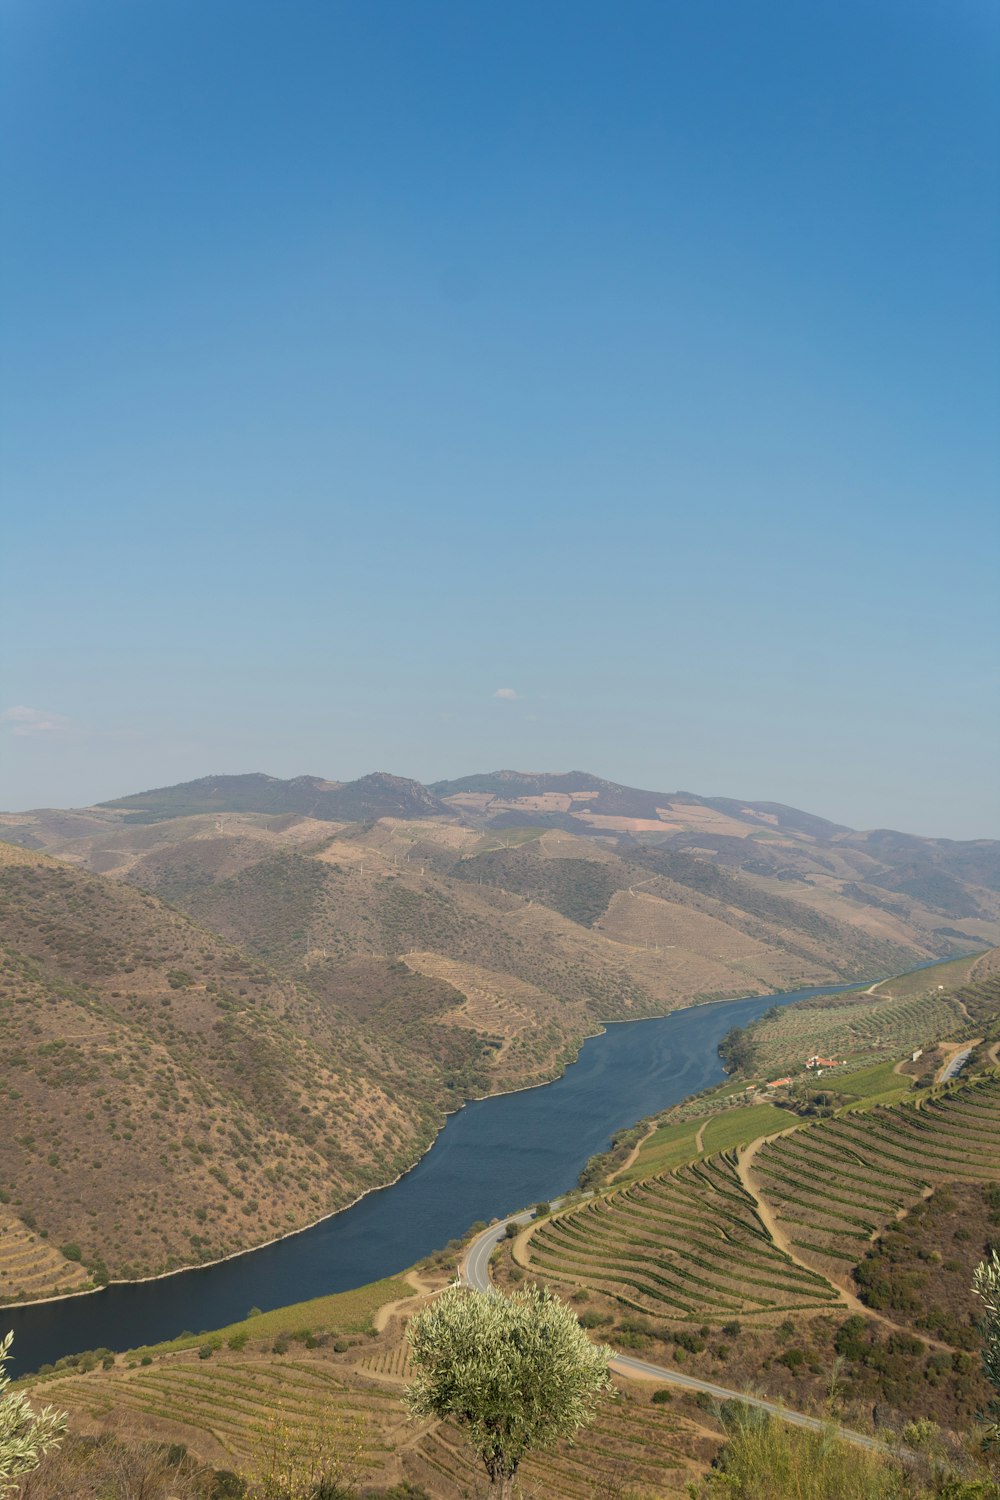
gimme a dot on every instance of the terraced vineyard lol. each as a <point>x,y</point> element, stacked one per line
<point>392,1362</point>
<point>857,1028</point>
<point>687,1246</point>
<point>834,1186</point>
<point>221,1405</point>
<point>631,1440</point>
<point>31,1267</point>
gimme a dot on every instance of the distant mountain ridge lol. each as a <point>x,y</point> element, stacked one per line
<point>233,949</point>
<point>378,795</point>
<point>923,895</point>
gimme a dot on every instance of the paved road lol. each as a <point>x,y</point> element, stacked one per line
<point>955,1065</point>
<point>474,1272</point>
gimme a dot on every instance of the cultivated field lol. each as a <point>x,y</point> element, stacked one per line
<point>30,1267</point>
<point>688,1246</point>
<point>833,1186</point>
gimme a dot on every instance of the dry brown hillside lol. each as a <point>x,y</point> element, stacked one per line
<point>173,1099</point>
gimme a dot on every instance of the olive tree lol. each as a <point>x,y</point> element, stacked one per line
<point>986,1285</point>
<point>516,1372</point>
<point>25,1435</point>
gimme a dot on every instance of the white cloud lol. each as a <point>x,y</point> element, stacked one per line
<point>27,722</point>
<point>507,693</point>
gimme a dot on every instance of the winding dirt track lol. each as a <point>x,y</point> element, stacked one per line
<point>782,1242</point>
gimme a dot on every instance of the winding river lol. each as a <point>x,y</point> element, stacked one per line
<point>492,1157</point>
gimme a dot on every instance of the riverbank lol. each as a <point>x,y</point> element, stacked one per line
<point>492,1155</point>
<point>324,1218</point>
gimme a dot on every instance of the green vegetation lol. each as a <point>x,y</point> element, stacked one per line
<point>516,1373</point>
<point>735,1127</point>
<point>920,982</point>
<point>880,1082</point>
<point>686,1246</point>
<point>766,1459</point>
<point>341,1312</point>
<point>25,1435</point>
<point>986,1285</point>
<point>857,1026</point>
<point>838,1183</point>
<point>670,1145</point>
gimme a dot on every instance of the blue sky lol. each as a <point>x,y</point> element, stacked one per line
<point>367,357</point>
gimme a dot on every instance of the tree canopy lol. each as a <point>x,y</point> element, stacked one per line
<point>24,1433</point>
<point>516,1372</point>
<point>986,1285</point>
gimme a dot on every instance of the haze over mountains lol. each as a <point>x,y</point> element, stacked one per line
<point>298,978</point>
<point>933,890</point>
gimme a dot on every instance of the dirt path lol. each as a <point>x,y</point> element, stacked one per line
<point>633,1155</point>
<point>782,1242</point>
<point>382,1315</point>
<point>699,1140</point>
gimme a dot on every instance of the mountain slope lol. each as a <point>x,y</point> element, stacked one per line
<point>378,795</point>
<point>931,896</point>
<point>176,1100</point>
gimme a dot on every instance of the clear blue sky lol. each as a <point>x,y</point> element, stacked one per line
<point>367,357</point>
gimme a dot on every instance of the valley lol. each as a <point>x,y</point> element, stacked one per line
<point>230,1008</point>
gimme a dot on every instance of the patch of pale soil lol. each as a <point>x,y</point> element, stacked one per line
<point>699,1140</point>
<point>560,845</point>
<point>494,1003</point>
<point>399,833</point>
<point>388,1310</point>
<point>629,825</point>
<point>705,820</point>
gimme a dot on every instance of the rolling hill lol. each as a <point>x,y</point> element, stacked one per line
<point>198,980</point>
<point>176,1100</point>
<point>929,896</point>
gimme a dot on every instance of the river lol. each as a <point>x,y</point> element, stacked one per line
<point>493,1156</point>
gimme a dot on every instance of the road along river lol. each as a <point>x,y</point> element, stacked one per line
<point>492,1157</point>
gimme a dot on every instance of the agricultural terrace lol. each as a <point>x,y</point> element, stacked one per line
<point>690,1246</point>
<point>222,1408</point>
<point>31,1267</point>
<point>674,1143</point>
<point>857,1028</point>
<point>630,1441</point>
<point>834,1186</point>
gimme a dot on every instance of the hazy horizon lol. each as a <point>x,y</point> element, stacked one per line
<point>444,388</point>
<point>925,832</point>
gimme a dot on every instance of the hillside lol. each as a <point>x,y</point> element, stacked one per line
<point>271,955</point>
<point>175,1099</point>
<point>378,795</point>
<point>855,1240</point>
<point>929,897</point>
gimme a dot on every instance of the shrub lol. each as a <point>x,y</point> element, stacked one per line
<point>594,1319</point>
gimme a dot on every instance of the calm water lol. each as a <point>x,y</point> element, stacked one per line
<point>493,1157</point>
